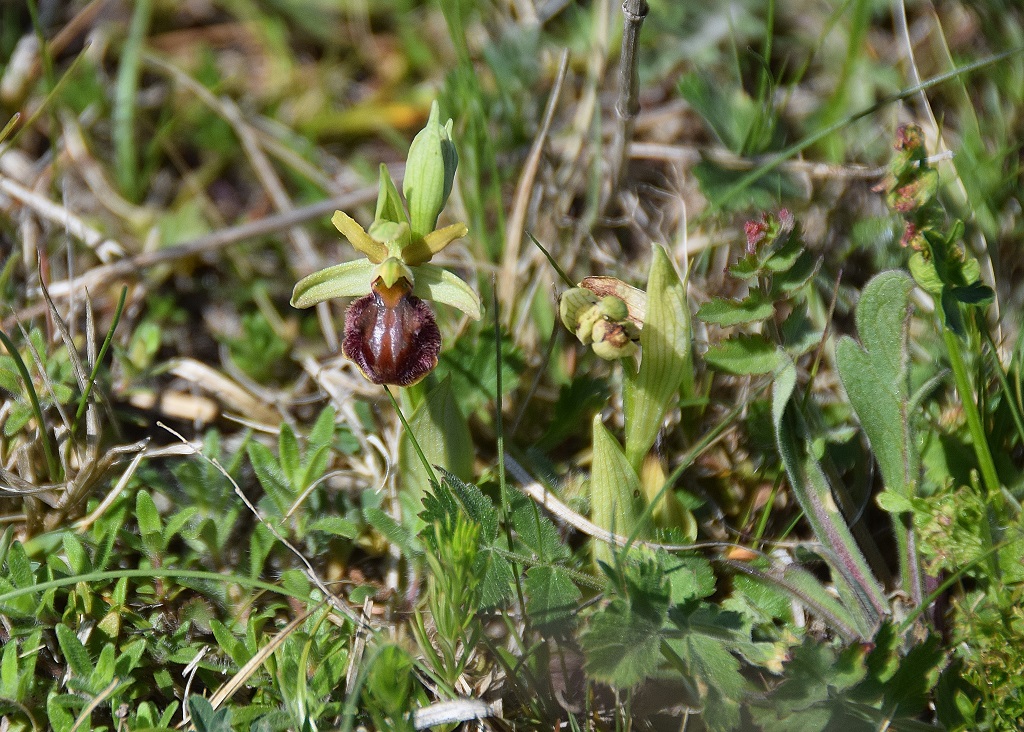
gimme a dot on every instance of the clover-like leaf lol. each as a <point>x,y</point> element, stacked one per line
<point>348,279</point>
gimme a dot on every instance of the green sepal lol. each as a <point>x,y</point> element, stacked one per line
<point>349,279</point>
<point>440,285</point>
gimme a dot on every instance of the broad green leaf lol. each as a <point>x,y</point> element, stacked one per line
<point>551,596</point>
<point>78,559</point>
<point>616,497</point>
<point>724,312</point>
<point>666,364</point>
<point>391,530</point>
<point>348,279</point>
<point>19,568</point>
<point>744,354</point>
<point>442,433</point>
<point>875,374</point>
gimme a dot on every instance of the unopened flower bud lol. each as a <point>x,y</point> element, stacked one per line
<point>429,173</point>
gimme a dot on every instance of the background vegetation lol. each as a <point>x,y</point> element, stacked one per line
<point>210,518</point>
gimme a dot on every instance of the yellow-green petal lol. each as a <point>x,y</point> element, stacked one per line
<point>349,279</point>
<point>421,250</point>
<point>358,238</point>
<point>440,285</point>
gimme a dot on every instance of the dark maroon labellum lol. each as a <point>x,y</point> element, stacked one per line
<point>391,335</point>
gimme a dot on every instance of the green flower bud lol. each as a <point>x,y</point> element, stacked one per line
<point>613,308</point>
<point>429,173</point>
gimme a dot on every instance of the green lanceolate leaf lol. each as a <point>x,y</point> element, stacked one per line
<point>667,359</point>
<point>852,575</point>
<point>744,355</point>
<point>875,375</point>
<point>725,312</point>
<point>616,501</point>
<point>349,279</point>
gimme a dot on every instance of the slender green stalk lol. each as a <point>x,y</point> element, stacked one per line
<point>51,457</point>
<point>408,430</point>
<point>499,425</point>
<point>84,400</point>
<point>1004,384</point>
<point>125,93</point>
<point>970,404</point>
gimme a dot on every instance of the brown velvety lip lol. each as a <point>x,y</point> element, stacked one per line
<point>391,335</point>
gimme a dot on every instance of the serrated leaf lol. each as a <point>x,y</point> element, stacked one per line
<point>536,532</point>
<point>551,596</point>
<point>725,312</point>
<point>689,578</point>
<point>744,355</point>
<point>622,647</point>
<point>616,497</point>
<point>666,365</point>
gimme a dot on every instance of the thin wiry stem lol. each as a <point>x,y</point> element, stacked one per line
<point>628,105</point>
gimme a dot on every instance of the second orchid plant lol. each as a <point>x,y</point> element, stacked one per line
<point>390,332</point>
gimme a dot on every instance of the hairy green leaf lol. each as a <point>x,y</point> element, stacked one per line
<point>744,354</point>
<point>724,312</point>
